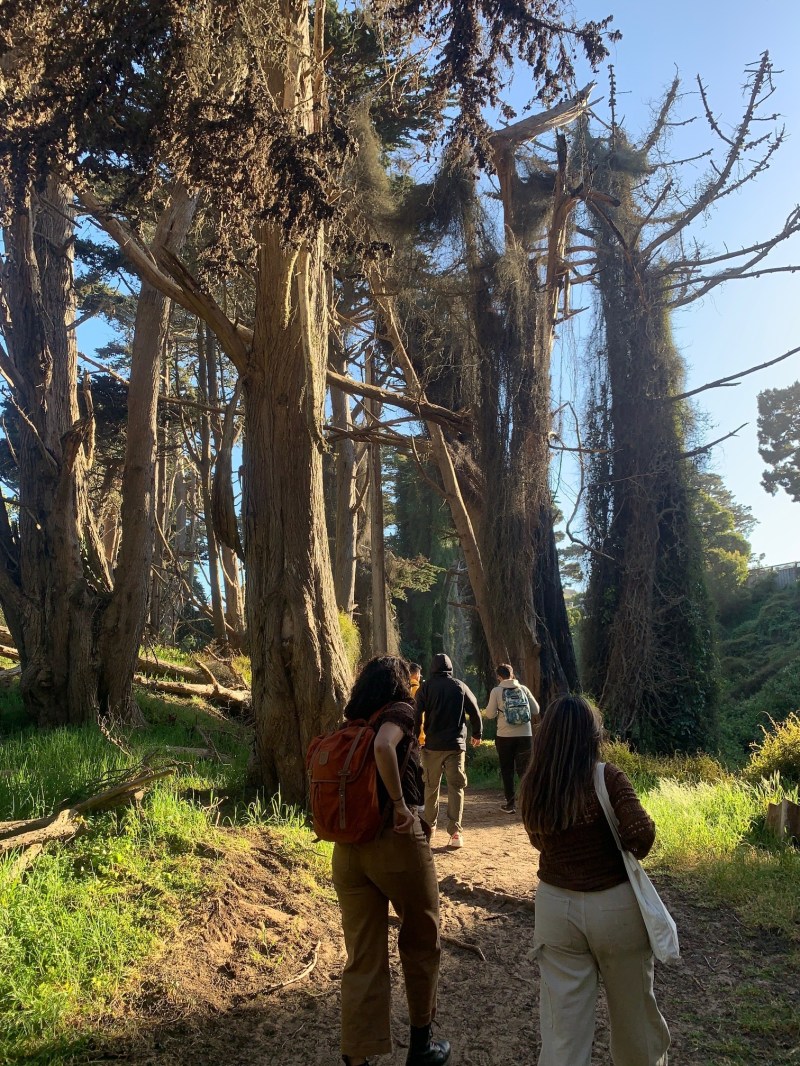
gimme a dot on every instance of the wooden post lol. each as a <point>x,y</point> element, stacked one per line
<point>783,820</point>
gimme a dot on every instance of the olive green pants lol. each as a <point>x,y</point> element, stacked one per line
<point>453,765</point>
<point>396,868</point>
<point>578,938</point>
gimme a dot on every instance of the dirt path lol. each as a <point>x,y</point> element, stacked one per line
<point>206,1004</point>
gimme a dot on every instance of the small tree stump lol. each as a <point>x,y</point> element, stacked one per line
<point>783,819</point>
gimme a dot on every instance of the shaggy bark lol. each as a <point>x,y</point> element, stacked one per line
<point>77,639</point>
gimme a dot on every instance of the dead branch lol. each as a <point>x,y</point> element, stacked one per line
<point>213,693</point>
<point>423,409</point>
<point>61,826</point>
<point>127,791</point>
<point>731,379</point>
<point>707,447</point>
<point>298,977</point>
<point>737,144</point>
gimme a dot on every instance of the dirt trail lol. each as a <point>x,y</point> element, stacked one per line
<point>206,1004</point>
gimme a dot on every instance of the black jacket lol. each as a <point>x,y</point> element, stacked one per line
<point>446,702</point>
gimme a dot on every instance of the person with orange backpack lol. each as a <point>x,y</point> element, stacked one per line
<point>365,788</point>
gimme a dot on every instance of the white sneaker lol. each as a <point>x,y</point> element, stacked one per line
<point>456,840</point>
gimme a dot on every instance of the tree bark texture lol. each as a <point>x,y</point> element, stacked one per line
<point>299,669</point>
<point>344,570</point>
<point>77,639</point>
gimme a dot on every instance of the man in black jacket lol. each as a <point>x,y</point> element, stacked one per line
<point>445,702</point>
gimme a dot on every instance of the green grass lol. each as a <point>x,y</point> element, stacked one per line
<point>75,926</point>
<point>710,837</point>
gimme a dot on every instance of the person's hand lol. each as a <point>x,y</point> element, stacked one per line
<point>476,741</point>
<point>403,818</point>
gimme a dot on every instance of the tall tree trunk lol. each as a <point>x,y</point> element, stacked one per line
<point>77,640</point>
<point>206,365</point>
<point>344,569</point>
<point>234,596</point>
<point>380,617</point>
<point>56,619</point>
<point>300,672</point>
<point>444,461</point>
<point>124,620</point>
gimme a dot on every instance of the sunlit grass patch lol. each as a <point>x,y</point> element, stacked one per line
<point>73,928</point>
<point>711,836</point>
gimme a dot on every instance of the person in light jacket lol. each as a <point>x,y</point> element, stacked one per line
<point>513,738</point>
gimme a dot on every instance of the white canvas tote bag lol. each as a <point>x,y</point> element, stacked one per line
<point>661,928</point>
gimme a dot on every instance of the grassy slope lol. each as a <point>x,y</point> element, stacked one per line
<point>85,913</point>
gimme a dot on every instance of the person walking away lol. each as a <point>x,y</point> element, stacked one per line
<point>445,703</point>
<point>514,707</point>
<point>415,671</point>
<point>588,923</point>
<point>396,867</point>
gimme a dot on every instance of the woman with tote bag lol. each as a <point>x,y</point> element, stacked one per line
<point>588,921</point>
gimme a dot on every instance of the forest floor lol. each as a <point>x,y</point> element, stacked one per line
<point>220,994</point>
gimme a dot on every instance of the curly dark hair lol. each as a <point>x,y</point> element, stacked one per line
<point>384,679</point>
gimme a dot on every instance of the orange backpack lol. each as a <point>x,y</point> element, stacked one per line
<point>343,780</point>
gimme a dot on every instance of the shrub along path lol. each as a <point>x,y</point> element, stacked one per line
<point>213,998</point>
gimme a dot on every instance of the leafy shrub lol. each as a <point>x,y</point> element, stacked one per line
<point>482,763</point>
<point>351,639</point>
<point>778,752</point>
<point>646,770</point>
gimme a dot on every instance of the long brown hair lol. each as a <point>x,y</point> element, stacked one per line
<point>565,749</point>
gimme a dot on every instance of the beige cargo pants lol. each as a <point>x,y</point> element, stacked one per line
<point>580,937</point>
<point>453,765</point>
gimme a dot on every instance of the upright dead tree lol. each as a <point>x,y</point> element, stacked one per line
<point>648,635</point>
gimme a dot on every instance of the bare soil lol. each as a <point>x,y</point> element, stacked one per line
<point>218,995</point>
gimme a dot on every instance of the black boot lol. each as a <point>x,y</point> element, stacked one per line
<point>423,1050</point>
<point>346,1061</point>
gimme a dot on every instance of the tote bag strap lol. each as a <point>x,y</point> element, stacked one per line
<point>605,801</point>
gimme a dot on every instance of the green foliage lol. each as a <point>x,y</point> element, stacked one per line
<point>483,766</point>
<point>410,575</point>
<point>647,770</point>
<point>759,652</point>
<point>423,531</point>
<point>779,439</point>
<point>84,915</point>
<point>778,752</point>
<point>724,526</point>
<point>351,639</point>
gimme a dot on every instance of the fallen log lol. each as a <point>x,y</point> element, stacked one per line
<point>61,826</point>
<point>213,693</point>
<point>7,675</point>
<point>128,791</point>
<point>147,664</point>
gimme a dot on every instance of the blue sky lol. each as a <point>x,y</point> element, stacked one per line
<point>749,321</point>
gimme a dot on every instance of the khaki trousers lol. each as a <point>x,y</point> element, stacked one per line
<point>396,868</point>
<point>578,937</point>
<point>453,765</point>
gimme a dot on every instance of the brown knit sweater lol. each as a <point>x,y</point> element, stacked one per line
<point>585,857</point>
